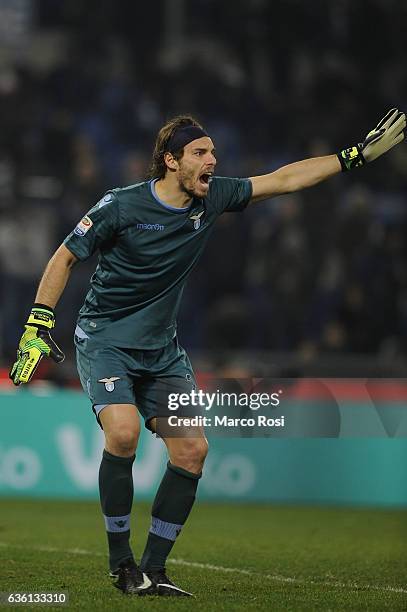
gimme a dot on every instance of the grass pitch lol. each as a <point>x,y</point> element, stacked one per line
<point>233,557</point>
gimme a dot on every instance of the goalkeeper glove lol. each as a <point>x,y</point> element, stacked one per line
<point>34,344</point>
<point>387,133</point>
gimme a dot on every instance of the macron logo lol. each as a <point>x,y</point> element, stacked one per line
<point>150,226</point>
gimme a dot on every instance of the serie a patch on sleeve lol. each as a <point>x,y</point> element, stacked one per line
<point>83,226</point>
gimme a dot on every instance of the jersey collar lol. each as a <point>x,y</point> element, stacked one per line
<point>167,206</point>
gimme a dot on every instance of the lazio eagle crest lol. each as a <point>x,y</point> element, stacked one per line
<point>197,219</point>
<point>109,382</point>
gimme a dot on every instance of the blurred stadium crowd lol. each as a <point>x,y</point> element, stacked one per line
<point>84,88</point>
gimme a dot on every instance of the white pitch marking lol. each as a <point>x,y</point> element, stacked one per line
<point>221,568</point>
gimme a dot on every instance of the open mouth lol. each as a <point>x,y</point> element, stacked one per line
<point>205,178</point>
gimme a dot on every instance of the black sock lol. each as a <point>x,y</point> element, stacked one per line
<point>172,505</point>
<point>116,498</point>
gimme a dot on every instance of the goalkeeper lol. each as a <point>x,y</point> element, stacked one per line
<point>149,237</point>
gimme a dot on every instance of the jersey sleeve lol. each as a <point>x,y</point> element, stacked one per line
<point>97,227</point>
<point>230,194</point>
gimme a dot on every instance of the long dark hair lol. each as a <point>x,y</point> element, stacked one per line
<point>158,167</point>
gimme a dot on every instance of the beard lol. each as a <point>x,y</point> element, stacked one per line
<point>186,181</point>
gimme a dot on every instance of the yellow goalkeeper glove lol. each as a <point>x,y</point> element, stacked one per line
<point>387,133</point>
<point>34,344</point>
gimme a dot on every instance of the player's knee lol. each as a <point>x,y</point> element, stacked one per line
<point>190,454</point>
<point>122,442</point>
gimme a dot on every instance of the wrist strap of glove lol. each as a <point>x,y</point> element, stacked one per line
<point>41,316</point>
<point>351,158</point>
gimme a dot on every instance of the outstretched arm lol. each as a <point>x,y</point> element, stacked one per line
<point>295,177</point>
<point>308,172</point>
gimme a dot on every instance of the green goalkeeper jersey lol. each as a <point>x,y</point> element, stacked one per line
<point>147,249</point>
